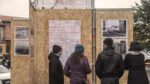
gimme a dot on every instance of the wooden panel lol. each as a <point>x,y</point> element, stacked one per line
<point>41,38</point>
<point>100,15</point>
<point>19,64</point>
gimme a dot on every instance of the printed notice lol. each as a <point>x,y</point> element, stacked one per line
<point>65,33</point>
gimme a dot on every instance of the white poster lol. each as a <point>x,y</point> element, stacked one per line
<point>21,33</point>
<point>63,4</point>
<point>66,33</point>
<point>114,28</point>
<point>120,46</point>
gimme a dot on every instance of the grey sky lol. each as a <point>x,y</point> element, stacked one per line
<point>20,8</point>
<point>115,3</point>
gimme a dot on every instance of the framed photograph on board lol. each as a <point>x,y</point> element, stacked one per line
<point>120,46</point>
<point>21,33</point>
<point>21,48</point>
<point>114,28</point>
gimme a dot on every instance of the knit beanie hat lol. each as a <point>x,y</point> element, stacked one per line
<point>79,48</point>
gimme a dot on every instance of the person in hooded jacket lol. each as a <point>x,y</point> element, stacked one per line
<point>56,75</point>
<point>134,62</point>
<point>77,66</point>
<point>109,65</point>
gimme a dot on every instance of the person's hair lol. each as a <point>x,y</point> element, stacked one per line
<point>56,48</point>
<point>135,46</point>
<point>75,57</point>
<point>108,42</point>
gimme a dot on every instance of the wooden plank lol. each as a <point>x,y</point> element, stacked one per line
<point>19,64</point>
<point>41,38</point>
<point>111,15</point>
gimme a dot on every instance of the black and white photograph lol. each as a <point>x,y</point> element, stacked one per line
<point>21,33</point>
<point>21,48</point>
<point>114,28</point>
<point>120,46</point>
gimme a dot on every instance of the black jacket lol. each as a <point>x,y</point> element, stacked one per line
<point>56,75</point>
<point>134,62</point>
<point>109,64</point>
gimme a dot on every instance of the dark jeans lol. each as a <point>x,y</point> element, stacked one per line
<point>109,81</point>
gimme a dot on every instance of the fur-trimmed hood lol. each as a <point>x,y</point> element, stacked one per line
<point>134,52</point>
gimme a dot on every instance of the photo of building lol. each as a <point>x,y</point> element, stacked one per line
<point>120,46</point>
<point>114,28</point>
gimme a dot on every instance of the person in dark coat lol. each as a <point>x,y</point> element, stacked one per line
<point>77,66</point>
<point>109,65</point>
<point>134,62</point>
<point>56,75</point>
